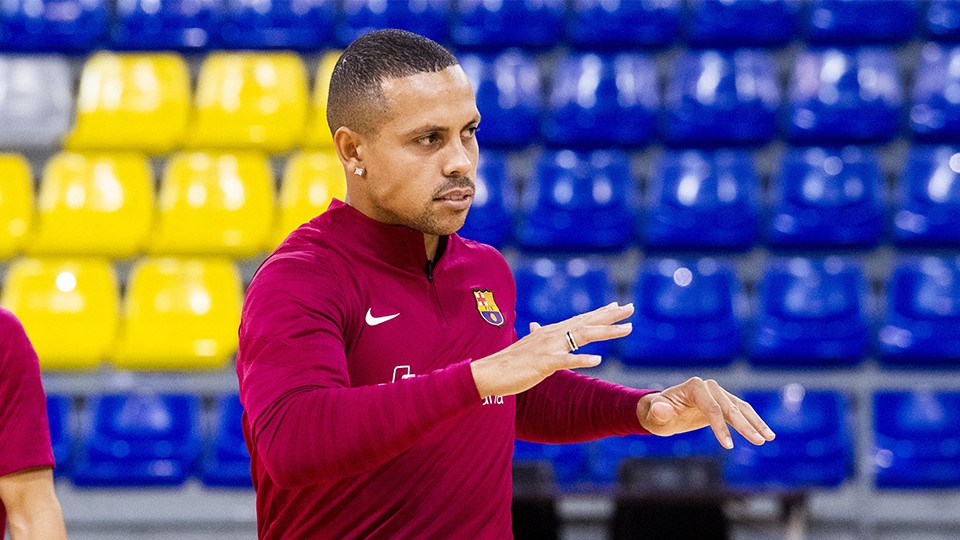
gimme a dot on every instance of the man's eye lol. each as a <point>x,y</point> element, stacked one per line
<point>429,139</point>
<point>471,131</point>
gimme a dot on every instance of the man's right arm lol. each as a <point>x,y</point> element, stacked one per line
<point>33,512</point>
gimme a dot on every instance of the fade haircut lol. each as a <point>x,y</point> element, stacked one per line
<point>356,98</point>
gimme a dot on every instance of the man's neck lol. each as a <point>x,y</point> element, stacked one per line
<point>431,242</point>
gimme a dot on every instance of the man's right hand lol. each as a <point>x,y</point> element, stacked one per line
<point>545,350</point>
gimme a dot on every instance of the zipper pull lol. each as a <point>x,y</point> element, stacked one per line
<point>429,270</point>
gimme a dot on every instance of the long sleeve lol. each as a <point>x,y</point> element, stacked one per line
<point>568,407</point>
<point>306,422</point>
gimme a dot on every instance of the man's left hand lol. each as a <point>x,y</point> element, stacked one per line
<point>697,403</point>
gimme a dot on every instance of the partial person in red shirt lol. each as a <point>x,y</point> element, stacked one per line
<point>28,504</point>
<point>382,380</point>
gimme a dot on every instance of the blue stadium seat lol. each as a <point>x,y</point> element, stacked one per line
<point>826,197</point>
<point>58,416</point>
<point>840,96</point>
<point>569,461</point>
<point>601,24</point>
<point>702,201</point>
<point>927,207</point>
<point>277,24</point>
<point>226,461</point>
<point>811,313</point>
<point>922,323</point>
<point>917,439</point>
<point>943,20</point>
<point>862,21</point>
<point>606,455</point>
<point>935,113</point>
<point>685,314</point>
<point>550,291</point>
<point>721,98</point>
<point>579,201</point>
<point>508,90</point>
<point>814,444</point>
<point>722,24</point>
<point>177,24</point>
<point>428,18</point>
<point>601,101</point>
<point>139,440</point>
<point>508,23</point>
<point>52,25</point>
<point>490,220</point>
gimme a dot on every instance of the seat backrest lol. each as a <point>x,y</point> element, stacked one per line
<point>59,418</point>
<point>69,308</point>
<point>179,314</point>
<point>249,100</point>
<point>827,197</point>
<point>317,133</point>
<point>928,197</point>
<point>35,101</point>
<point>671,290</point>
<point>429,18</point>
<point>143,426</point>
<point>597,100</point>
<point>863,21</point>
<point>553,290</point>
<point>494,25</point>
<point>132,102</point>
<point>702,200</point>
<point>800,289</point>
<point>942,20</point>
<point>214,203</point>
<point>508,89</point>
<point>838,95</point>
<point>926,289</point>
<point>277,24</point>
<point>600,24</point>
<point>934,110</point>
<point>94,204</point>
<point>310,181</point>
<point>918,415</point>
<point>52,25</point>
<point>177,25</point>
<point>228,441</point>
<point>16,204</point>
<point>721,24</point>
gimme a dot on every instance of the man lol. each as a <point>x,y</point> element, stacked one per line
<point>28,503</point>
<point>382,381</point>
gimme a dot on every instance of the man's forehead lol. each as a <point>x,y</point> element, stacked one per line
<point>429,94</point>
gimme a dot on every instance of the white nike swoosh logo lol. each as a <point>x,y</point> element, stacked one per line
<point>373,321</point>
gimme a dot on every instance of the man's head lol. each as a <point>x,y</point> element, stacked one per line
<point>403,112</point>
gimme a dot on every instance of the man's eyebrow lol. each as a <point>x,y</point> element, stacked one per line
<point>434,128</point>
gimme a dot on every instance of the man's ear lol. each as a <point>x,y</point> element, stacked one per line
<point>349,145</point>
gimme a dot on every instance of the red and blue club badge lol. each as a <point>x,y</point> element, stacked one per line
<point>488,307</point>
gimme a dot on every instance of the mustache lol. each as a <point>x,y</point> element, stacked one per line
<point>459,182</point>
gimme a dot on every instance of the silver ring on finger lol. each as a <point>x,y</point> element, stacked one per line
<point>571,343</point>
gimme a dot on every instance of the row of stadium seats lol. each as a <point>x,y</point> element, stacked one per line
<point>104,204</point>
<point>80,25</point>
<point>806,313</point>
<point>207,203</point>
<point>249,100</point>
<point>149,439</point>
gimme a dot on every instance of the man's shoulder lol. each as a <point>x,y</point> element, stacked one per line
<point>478,252</point>
<point>10,327</point>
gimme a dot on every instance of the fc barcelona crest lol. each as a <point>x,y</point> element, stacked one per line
<point>488,307</point>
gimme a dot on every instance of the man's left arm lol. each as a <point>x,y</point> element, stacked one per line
<point>568,407</point>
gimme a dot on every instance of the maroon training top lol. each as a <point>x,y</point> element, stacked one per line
<point>361,413</point>
<point>24,432</point>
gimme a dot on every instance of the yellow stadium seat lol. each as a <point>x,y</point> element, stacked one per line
<point>249,101</point>
<point>132,102</point>
<point>179,314</point>
<point>214,204</point>
<point>318,134</point>
<point>69,307</point>
<point>16,203</point>
<point>310,181</point>
<point>99,204</point>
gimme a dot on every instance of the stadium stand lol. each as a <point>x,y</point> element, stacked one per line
<point>425,17</point>
<point>310,181</point>
<point>277,24</point>
<point>226,462</point>
<point>186,25</point>
<point>720,24</point>
<point>16,204</point>
<point>508,89</point>
<point>926,208</point>
<point>916,439</point>
<point>600,24</point>
<point>35,101</point>
<point>53,25</point>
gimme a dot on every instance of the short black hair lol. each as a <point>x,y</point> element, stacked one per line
<point>355,85</point>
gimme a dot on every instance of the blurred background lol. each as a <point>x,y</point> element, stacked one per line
<point>774,183</point>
